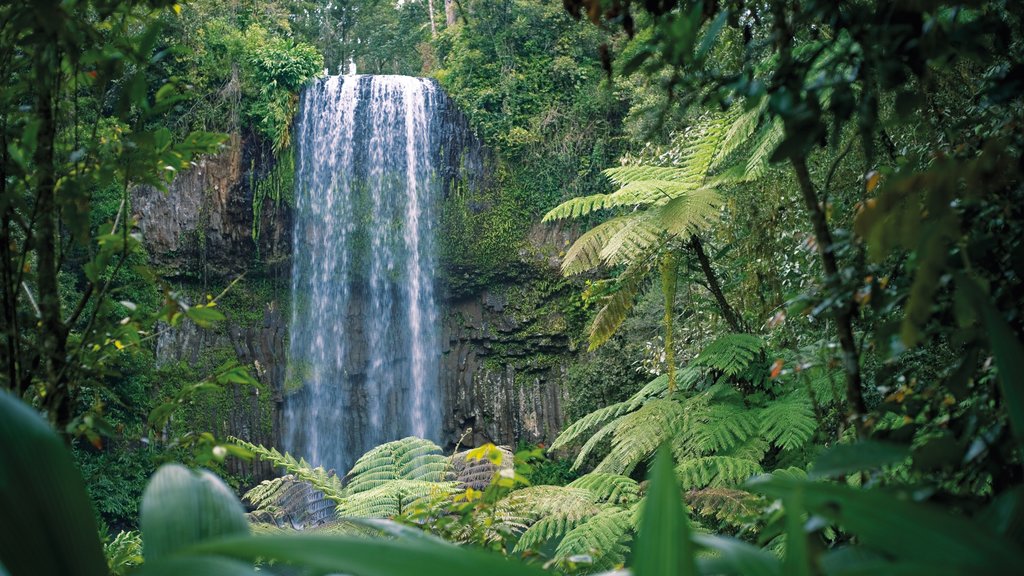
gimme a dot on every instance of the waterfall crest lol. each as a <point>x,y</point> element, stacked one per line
<point>364,337</point>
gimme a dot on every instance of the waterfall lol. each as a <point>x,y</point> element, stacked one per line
<point>364,342</point>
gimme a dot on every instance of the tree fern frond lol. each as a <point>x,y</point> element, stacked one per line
<point>635,193</point>
<point>603,538</point>
<point>585,424</point>
<point>638,434</point>
<point>789,422</point>
<point>742,125</point>
<point>624,175</point>
<point>611,488</point>
<point>716,471</point>
<point>767,140</point>
<point>618,305</point>
<point>585,252</point>
<point>826,384</point>
<point>392,498</point>
<point>689,213</point>
<point>729,505</point>
<point>730,424</point>
<point>595,440</point>
<point>406,459</point>
<point>545,529</point>
<point>318,478</point>
<point>521,508</point>
<point>640,235</point>
<point>754,448</point>
<point>731,354</point>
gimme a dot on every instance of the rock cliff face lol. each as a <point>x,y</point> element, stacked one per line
<point>504,349</point>
<point>203,223</point>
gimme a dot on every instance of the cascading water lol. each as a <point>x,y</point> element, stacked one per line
<point>363,356</point>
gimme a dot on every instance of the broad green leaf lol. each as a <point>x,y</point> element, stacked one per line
<point>181,508</point>
<point>736,557</point>
<point>845,458</point>
<point>364,557</point>
<point>1009,355</point>
<point>797,561</point>
<point>204,316</point>
<point>663,545</point>
<point>196,566</point>
<point>903,530</point>
<point>48,527</point>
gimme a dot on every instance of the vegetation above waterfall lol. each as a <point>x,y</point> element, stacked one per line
<point>762,259</point>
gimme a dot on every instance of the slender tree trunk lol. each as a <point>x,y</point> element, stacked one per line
<point>844,312</point>
<point>52,335</point>
<point>433,26</point>
<point>450,13</point>
<point>730,315</point>
<point>669,278</point>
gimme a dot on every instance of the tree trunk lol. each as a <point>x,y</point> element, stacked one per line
<point>730,315</point>
<point>433,26</point>
<point>843,312</point>
<point>449,13</point>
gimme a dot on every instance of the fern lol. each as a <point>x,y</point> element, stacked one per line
<point>767,140</point>
<point>611,488</point>
<point>522,508</point>
<point>639,433</point>
<point>406,459</point>
<point>318,478</point>
<point>123,552</point>
<point>634,241</point>
<point>653,389</point>
<point>545,529</point>
<point>389,499</point>
<point>731,354</point>
<point>585,252</point>
<point>716,471</point>
<point>730,424</point>
<point>603,540</point>
<point>789,422</point>
<point>729,505</point>
<point>628,174</point>
<point>288,499</point>
<point>618,305</point>
<point>635,193</point>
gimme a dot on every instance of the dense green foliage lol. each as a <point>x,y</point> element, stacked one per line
<point>824,378</point>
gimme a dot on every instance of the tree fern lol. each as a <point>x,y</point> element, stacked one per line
<point>521,508</point>
<point>716,471</point>
<point>391,498</point>
<point>318,478</point>
<point>611,488</point>
<point>731,354</point>
<point>546,529</point>
<point>406,459</point>
<point>585,252</point>
<point>730,424</point>
<point>639,433</point>
<point>789,422</point>
<point>602,541</point>
<point>290,500</point>
<point>730,505</point>
<point>653,389</point>
<point>617,306</point>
